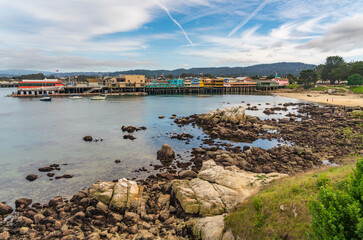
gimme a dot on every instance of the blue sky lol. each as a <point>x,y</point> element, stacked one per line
<point>111,35</point>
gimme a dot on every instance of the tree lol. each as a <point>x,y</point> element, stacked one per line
<point>355,79</point>
<point>31,76</point>
<point>331,63</point>
<point>307,77</point>
<point>291,77</point>
<point>356,67</point>
<point>341,73</point>
<point>170,76</point>
<point>319,70</point>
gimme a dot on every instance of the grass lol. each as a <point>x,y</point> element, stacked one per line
<point>280,210</point>
<point>320,88</point>
<point>357,90</point>
<point>292,86</point>
<point>340,88</point>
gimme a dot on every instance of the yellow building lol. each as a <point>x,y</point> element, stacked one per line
<point>218,83</point>
<point>127,81</point>
<point>208,83</point>
<point>201,83</point>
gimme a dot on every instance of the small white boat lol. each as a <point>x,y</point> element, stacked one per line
<point>45,98</point>
<point>75,97</point>
<point>100,97</point>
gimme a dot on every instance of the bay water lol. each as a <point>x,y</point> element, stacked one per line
<point>35,134</point>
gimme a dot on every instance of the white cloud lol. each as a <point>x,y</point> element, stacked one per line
<point>33,58</point>
<point>346,35</point>
<point>97,34</point>
<point>291,41</point>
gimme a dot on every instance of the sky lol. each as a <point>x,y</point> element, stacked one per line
<point>112,35</point>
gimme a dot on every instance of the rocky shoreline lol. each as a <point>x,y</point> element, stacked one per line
<point>187,200</point>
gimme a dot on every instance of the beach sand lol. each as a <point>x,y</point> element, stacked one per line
<point>348,100</point>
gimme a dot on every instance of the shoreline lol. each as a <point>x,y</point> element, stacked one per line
<point>317,97</point>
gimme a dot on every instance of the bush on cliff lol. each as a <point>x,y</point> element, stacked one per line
<point>281,210</point>
<point>338,214</point>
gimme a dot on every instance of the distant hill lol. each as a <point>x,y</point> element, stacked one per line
<point>18,72</point>
<point>282,69</point>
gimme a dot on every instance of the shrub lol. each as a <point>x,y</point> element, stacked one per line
<point>292,86</point>
<point>355,79</point>
<point>322,181</point>
<point>338,214</point>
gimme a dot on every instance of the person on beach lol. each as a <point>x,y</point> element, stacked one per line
<point>332,110</point>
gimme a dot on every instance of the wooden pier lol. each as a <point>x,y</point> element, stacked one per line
<point>138,91</point>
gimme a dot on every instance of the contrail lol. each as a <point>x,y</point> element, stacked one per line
<point>176,22</point>
<point>257,10</point>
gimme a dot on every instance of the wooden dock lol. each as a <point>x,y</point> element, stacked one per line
<point>134,91</point>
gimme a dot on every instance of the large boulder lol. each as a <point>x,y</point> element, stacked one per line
<point>102,191</point>
<point>5,209</point>
<point>218,189</point>
<point>166,154</point>
<point>23,202</point>
<point>126,194</point>
<point>122,194</point>
<point>230,115</point>
<point>211,228</point>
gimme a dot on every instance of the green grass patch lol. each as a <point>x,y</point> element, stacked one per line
<point>280,210</point>
<point>292,86</point>
<point>340,88</point>
<point>357,90</point>
<point>320,88</point>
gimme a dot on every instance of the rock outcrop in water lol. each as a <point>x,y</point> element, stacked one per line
<point>233,115</point>
<point>88,138</point>
<point>131,129</point>
<point>166,154</point>
<point>31,177</point>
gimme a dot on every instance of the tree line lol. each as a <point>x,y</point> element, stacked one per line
<point>334,70</point>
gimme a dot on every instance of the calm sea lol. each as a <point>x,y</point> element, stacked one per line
<point>35,134</point>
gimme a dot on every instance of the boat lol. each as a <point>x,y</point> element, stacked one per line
<point>75,97</point>
<point>99,97</point>
<point>45,98</point>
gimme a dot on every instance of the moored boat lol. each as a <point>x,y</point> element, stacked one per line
<point>45,98</point>
<point>75,97</point>
<point>100,97</point>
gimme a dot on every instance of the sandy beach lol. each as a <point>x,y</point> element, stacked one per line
<point>347,100</point>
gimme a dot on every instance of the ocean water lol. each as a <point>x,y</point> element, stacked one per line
<point>35,134</point>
